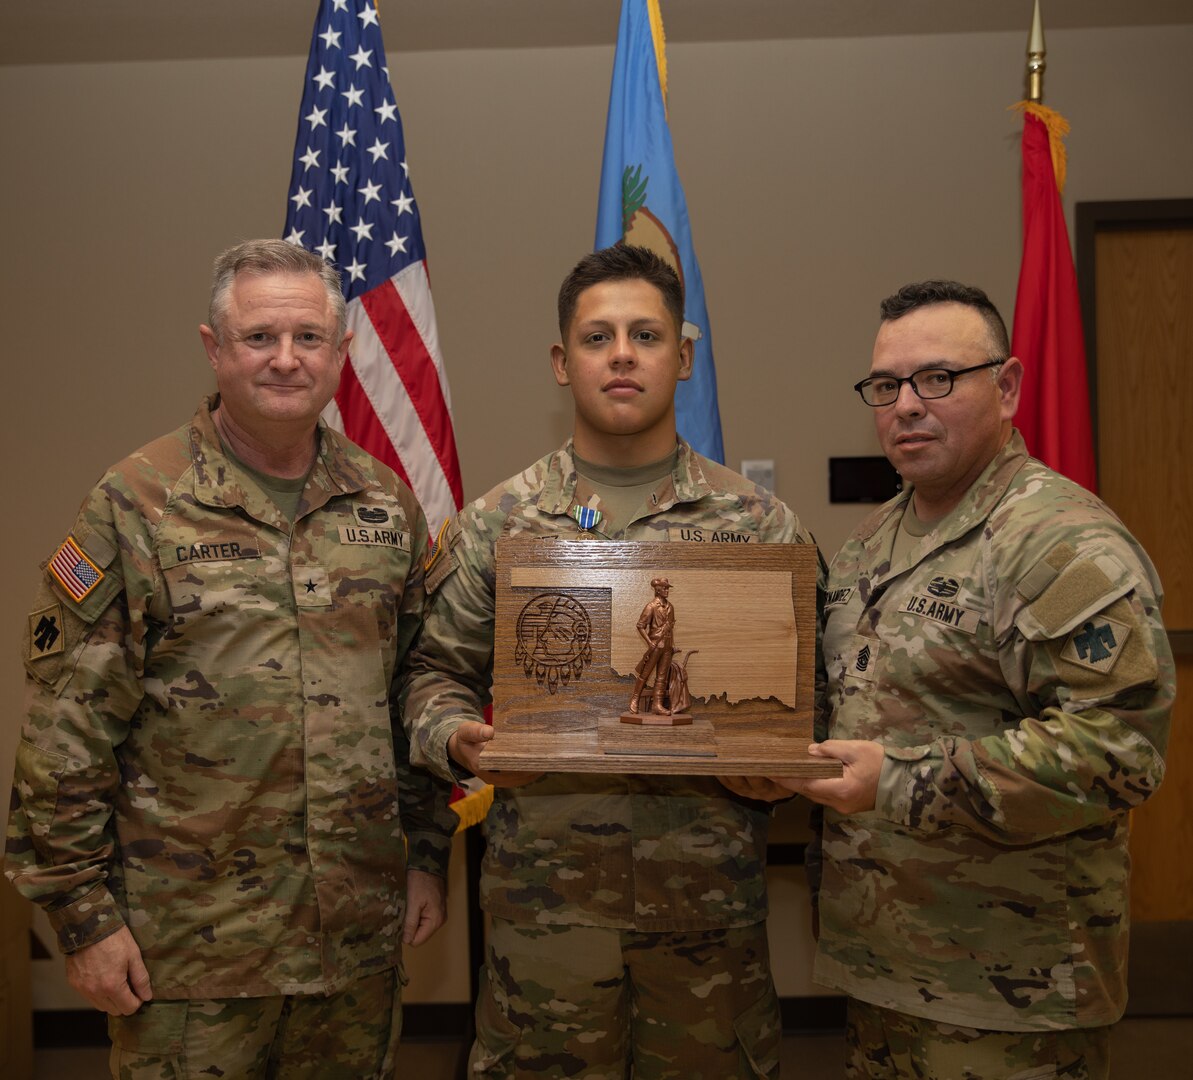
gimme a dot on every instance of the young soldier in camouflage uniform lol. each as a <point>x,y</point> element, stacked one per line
<point>627,911</point>
<point>207,793</point>
<point>999,691</point>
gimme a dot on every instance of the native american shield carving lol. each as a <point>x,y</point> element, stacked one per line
<point>553,639</point>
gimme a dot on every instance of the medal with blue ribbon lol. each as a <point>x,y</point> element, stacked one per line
<point>586,517</point>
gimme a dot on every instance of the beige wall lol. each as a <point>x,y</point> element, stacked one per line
<point>820,175</point>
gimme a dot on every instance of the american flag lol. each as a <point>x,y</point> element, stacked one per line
<point>351,202</point>
<point>76,573</point>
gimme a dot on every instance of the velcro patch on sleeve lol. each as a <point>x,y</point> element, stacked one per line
<point>1045,572</point>
<point>1080,589</point>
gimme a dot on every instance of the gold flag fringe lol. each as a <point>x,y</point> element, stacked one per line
<point>660,44</point>
<point>473,808</point>
<point>1058,128</point>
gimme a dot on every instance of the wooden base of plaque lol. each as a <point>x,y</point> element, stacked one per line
<point>609,746</point>
<point>678,719</point>
<point>656,740</point>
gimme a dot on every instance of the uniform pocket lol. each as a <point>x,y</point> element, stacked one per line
<point>39,773</point>
<point>760,1036</point>
<point>497,1037</point>
<point>156,1029</point>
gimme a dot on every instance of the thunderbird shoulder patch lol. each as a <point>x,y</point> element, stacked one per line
<point>1097,643</point>
<point>46,632</point>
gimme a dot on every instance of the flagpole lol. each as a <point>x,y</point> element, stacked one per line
<point>1035,58</point>
<point>1054,413</point>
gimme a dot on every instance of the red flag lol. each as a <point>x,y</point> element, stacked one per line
<point>1054,413</point>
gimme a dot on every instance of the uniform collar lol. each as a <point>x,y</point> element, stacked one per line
<point>686,483</point>
<point>220,482</point>
<point>876,532</point>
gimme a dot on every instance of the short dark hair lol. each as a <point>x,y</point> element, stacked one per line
<point>621,262</point>
<point>920,294</point>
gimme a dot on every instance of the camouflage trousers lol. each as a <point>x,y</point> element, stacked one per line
<point>352,1033</point>
<point>886,1045</point>
<point>592,1002</point>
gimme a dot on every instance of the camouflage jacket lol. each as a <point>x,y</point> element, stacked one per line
<point>1016,670</point>
<point>648,853</point>
<point>208,755</point>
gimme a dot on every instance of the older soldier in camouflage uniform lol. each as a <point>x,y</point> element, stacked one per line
<point>999,692</point>
<point>627,911</point>
<point>207,792</point>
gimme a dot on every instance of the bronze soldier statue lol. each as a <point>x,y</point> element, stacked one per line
<point>656,627</point>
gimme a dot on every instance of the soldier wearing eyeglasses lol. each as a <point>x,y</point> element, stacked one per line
<point>999,688</point>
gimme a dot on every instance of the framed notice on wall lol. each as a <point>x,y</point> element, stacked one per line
<point>654,658</point>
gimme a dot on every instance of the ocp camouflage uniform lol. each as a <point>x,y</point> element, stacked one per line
<point>1017,673</point>
<point>209,753</point>
<point>654,858</point>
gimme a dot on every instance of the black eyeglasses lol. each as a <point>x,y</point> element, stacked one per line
<point>930,382</point>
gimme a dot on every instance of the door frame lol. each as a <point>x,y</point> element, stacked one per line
<point>1118,216</point>
<point>1092,218</point>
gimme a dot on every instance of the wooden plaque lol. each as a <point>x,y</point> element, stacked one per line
<point>567,648</point>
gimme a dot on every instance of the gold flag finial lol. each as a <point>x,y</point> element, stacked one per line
<point>1035,58</point>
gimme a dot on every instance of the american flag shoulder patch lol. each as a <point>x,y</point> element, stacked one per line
<point>76,573</point>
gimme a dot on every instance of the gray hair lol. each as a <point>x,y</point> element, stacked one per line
<point>272,257</point>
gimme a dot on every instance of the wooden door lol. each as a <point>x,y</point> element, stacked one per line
<point>16,1010</point>
<point>1142,321</point>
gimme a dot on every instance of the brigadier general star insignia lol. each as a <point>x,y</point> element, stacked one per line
<point>586,517</point>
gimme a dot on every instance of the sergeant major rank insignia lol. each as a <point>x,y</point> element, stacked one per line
<point>860,659</point>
